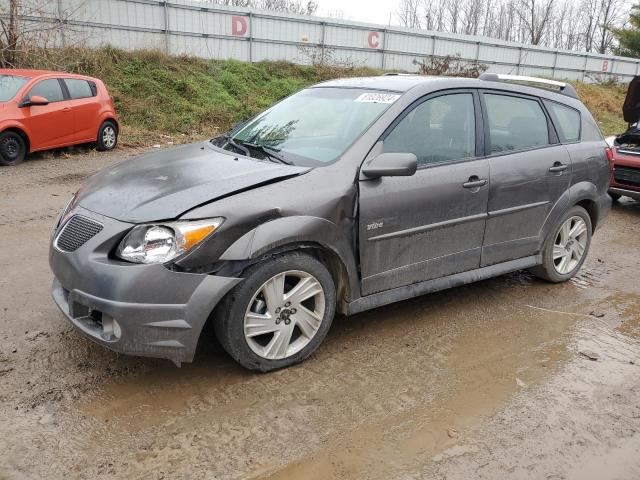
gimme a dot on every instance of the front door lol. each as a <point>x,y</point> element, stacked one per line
<point>50,125</point>
<point>530,171</point>
<point>431,224</point>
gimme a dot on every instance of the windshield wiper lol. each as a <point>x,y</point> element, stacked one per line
<point>270,153</point>
<point>230,141</point>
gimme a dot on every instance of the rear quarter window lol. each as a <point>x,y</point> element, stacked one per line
<point>79,88</point>
<point>566,119</point>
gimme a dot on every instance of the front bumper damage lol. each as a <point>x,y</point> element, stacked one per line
<point>145,310</point>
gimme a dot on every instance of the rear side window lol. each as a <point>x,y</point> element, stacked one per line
<point>515,123</point>
<point>567,121</point>
<point>49,89</point>
<point>438,130</point>
<point>78,88</point>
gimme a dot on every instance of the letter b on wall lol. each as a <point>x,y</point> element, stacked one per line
<point>239,26</point>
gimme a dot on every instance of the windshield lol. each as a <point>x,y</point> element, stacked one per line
<point>314,126</point>
<point>9,86</point>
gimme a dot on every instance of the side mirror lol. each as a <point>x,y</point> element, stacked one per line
<point>34,100</point>
<point>391,165</point>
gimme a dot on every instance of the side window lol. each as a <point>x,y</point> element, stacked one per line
<point>567,121</point>
<point>515,123</point>
<point>49,89</point>
<point>78,88</point>
<point>437,130</point>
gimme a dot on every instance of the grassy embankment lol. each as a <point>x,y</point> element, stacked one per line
<point>161,98</point>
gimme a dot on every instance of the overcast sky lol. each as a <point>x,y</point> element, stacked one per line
<point>358,10</point>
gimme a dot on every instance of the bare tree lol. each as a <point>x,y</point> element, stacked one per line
<point>300,7</point>
<point>21,38</point>
<point>408,13</point>
<point>565,24</point>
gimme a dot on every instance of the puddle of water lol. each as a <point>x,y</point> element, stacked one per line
<point>487,366</point>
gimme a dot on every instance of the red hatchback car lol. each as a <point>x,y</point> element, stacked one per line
<point>40,110</point>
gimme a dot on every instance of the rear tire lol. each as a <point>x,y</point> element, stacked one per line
<point>279,314</point>
<point>13,149</point>
<point>107,136</point>
<point>566,247</point>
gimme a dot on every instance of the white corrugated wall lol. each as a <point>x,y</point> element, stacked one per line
<point>211,31</point>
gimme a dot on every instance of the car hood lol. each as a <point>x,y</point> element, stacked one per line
<point>163,185</point>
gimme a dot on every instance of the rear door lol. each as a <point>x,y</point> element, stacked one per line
<point>86,108</point>
<point>431,224</point>
<point>50,125</point>
<point>530,170</point>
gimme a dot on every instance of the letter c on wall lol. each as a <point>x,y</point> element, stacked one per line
<point>374,39</point>
<point>239,26</point>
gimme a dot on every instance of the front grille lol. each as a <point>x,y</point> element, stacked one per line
<point>76,232</point>
<point>627,175</point>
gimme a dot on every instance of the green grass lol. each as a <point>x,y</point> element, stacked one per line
<point>162,98</point>
<point>159,97</point>
<point>605,103</point>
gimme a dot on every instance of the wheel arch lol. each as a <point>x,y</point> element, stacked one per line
<point>317,236</point>
<point>584,194</point>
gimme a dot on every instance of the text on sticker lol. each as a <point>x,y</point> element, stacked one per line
<point>377,98</point>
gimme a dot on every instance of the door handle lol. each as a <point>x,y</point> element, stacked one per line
<point>66,109</point>
<point>475,182</point>
<point>558,167</point>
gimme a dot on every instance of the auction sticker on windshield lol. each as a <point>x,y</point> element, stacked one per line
<point>377,98</point>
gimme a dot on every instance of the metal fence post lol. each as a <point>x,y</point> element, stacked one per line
<point>384,46</point>
<point>519,60</point>
<point>167,45</point>
<point>322,44</point>
<point>555,63</point>
<point>250,37</point>
<point>61,23</point>
<point>611,75</point>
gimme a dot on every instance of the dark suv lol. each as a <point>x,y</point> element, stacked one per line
<point>345,196</point>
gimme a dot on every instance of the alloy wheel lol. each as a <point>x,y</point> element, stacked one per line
<point>109,136</point>
<point>570,245</point>
<point>284,315</point>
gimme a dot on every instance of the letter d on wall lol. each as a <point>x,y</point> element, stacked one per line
<point>239,26</point>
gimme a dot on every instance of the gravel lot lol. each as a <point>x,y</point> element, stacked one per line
<point>508,378</point>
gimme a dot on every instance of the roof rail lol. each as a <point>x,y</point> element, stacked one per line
<point>563,87</point>
<point>398,74</point>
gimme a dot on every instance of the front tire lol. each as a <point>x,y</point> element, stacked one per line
<point>279,314</point>
<point>107,136</point>
<point>566,247</point>
<point>13,149</point>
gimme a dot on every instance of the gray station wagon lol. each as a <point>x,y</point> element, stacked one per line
<point>346,196</point>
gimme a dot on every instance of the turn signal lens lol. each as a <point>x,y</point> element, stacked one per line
<point>192,235</point>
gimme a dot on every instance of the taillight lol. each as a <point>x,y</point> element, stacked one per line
<point>609,151</point>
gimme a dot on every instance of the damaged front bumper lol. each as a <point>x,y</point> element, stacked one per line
<point>145,310</point>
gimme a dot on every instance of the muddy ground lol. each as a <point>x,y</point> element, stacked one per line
<point>505,379</point>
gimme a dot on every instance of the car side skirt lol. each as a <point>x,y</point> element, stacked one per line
<point>403,293</point>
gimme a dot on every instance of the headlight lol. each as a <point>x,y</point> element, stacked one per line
<point>160,243</point>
